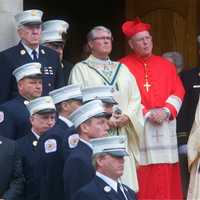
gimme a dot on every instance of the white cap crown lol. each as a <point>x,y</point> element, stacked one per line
<point>55,25</point>
<point>114,145</point>
<point>66,93</point>
<point>87,111</point>
<point>29,16</point>
<point>29,69</point>
<point>104,93</point>
<point>43,104</point>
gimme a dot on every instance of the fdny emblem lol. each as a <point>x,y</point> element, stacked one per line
<point>50,146</point>
<point>73,140</point>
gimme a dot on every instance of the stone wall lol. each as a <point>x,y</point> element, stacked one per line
<point>8,34</point>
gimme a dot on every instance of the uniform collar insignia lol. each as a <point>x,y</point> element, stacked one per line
<point>35,142</point>
<point>1,116</point>
<point>42,51</point>
<point>1,142</point>
<point>107,188</point>
<point>22,52</point>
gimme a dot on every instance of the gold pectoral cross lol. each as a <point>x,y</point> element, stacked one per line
<point>147,86</point>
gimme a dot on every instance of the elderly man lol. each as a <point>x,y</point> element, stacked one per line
<point>90,122</point>
<point>12,178</point>
<point>28,50</point>
<point>54,33</point>
<point>15,121</point>
<point>42,117</point>
<point>162,94</point>
<point>54,146</point>
<point>108,160</point>
<point>99,70</point>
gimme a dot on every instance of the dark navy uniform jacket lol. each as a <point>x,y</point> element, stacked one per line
<point>78,169</point>
<point>97,189</point>
<point>51,162</point>
<point>11,178</point>
<point>191,82</point>
<point>27,146</point>
<point>16,56</point>
<point>16,121</point>
<point>66,67</point>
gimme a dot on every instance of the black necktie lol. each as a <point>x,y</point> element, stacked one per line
<point>119,191</point>
<point>34,53</point>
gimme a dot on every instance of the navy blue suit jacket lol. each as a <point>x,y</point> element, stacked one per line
<point>67,67</point>
<point>16,121</point>
<point>50,165</point>
<point>191,82</point>
<point>27,146</point>
<point>78,169</point>
<point>95,191</point>
<point>16,56</point>
<point>11,178</point>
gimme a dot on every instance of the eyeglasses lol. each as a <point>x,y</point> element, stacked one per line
<point>103,38</point>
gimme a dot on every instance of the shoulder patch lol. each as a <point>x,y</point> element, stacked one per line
<point>1,116</point>
<point>50,146</point>
<point>73,140</point>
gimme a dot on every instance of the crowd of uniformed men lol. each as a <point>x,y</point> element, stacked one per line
<point>79,136</point>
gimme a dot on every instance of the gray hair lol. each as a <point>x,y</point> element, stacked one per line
<point>176,57</point>
<point>92,32</point>
<point>94,159</point>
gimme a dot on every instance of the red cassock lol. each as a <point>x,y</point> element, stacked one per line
<point>160,87</point>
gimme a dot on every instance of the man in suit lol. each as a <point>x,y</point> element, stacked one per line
<point>11,179</point>
<point>42,111</point>
<point>108,159</point>
<point>54,34</point>
<point>51,161</point>
<point>90,122</point>
<point>15,116</point>
<point>29,50</point>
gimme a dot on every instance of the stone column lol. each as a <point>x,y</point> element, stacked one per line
<point>8,34</point>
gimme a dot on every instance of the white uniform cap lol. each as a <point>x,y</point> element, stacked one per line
<point>114,145</point>
<point>55,25</point>
<point>92,109</point>
<point>41,105</point>
<point>51,36</point>
<point>29,17</point>
<point>104,93</point>
<point>27,70</point>
<point>66,93</point>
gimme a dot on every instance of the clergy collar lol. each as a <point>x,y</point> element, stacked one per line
<point>29,50</point>
<point>86,142</point>
<point>68,122</point>
<point>141,59</point>
<point>99,61</point>
<point>35,134</point>
<point>109,181</point>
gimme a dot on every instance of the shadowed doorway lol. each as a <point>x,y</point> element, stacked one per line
<point>82,16</point>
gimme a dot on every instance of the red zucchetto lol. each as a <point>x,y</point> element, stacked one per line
<point>130,28</point>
